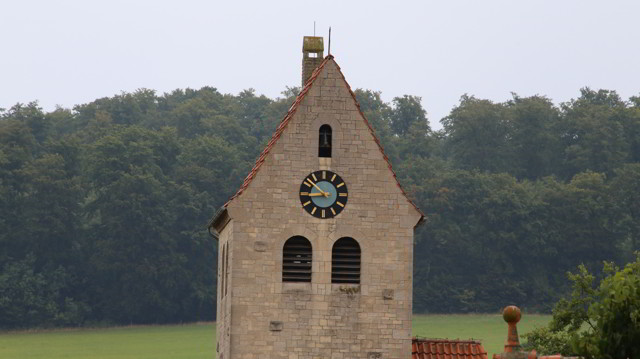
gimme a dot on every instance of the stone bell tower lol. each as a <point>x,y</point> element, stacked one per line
<point>316,246</point>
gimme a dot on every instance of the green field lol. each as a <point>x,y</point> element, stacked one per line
<point>196,341</point>
<point>138,342</point>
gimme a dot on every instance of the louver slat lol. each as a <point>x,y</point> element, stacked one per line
<point>345,262</point>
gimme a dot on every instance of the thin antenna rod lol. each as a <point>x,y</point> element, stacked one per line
<point>314,28</point>
<point>329,40</point>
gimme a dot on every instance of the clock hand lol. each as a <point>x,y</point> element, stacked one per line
<point>319,189</point>
<point>316,194</point>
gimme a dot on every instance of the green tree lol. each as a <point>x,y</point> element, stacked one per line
<point>593,132</point>
<point>624,189</point>
<point>631,126</point>
<point>30,298</point>
<point>533,138</point>
<point>139,107</point>
<point>487,219</point>
<point>601,318</point>
<point>408,112</point>
<point>50,212</point>
<point>211,165</point>
<point>136,261</point>
<point>477,135</point>
<point>377,112</point>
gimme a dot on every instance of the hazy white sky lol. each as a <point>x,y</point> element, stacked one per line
<point>72,52</point>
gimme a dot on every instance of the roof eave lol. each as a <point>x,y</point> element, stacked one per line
<point>218,221</point>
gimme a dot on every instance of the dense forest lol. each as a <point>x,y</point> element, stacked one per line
<point>103,207</point>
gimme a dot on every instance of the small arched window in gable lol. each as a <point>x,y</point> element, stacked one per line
<point>296,260</point>
<point>345,261</point>
<point>324,143</point>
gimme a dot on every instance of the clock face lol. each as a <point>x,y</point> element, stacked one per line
<point>323,194</point>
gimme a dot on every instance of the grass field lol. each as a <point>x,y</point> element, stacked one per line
<point>144,342</point>
<point>196,341</point>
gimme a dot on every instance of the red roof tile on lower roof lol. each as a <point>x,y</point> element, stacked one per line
<point>422,348</point>
<point>285,121</point>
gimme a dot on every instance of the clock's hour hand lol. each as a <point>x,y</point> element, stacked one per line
<point>326,194</point>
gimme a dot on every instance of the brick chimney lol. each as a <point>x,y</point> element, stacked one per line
<point>312,55</point>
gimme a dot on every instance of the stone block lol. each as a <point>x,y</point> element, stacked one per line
<point>260,246</point>
<point>275,326</point>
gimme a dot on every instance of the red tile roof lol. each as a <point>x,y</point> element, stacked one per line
<point>285,121</point>
<point>422,348</point>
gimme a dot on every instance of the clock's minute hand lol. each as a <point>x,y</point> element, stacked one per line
<point>326,194</point>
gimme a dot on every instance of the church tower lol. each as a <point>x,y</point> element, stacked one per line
<point>316,247</point>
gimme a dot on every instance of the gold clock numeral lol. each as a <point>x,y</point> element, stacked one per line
<point>308,185</point>
<point>342,194</point>
<point>334,177</point>
<point>323,213</point>
<point>314,210</point>
<point>340,204</point>
<point>340,185</point>
<point>333,211</point>
<point>306,193</point>
<point>314,177</point>
<point>324,174</point>
<point>306,203</point>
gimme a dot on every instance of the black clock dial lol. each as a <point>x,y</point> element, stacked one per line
<point>323,194</point>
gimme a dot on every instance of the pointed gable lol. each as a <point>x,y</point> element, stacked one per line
<point>285,122</point>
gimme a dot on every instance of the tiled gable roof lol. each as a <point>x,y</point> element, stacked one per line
<point>280,129</point>
<point>422,348</point>
<point>285,121</point>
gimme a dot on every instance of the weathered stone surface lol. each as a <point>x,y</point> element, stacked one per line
<point>275,326</point>
<point>260,246</point>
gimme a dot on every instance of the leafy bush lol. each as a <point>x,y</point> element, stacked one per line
<point>600,320</point>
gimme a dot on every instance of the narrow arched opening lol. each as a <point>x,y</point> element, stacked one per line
<point>324,141</point>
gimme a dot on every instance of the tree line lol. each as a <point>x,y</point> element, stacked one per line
<point>103,207</point>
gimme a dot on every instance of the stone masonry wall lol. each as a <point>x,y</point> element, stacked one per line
<point>308,65</point>
<point>313,320</point>
<point>223,310</point>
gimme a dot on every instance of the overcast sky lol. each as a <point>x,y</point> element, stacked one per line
<point>72,52</point>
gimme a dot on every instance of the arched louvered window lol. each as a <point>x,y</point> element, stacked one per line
<point>296,260</point>
<point>324,142</point>
<point>345,261</point>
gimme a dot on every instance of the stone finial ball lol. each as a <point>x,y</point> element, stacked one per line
<point>511,314</point>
